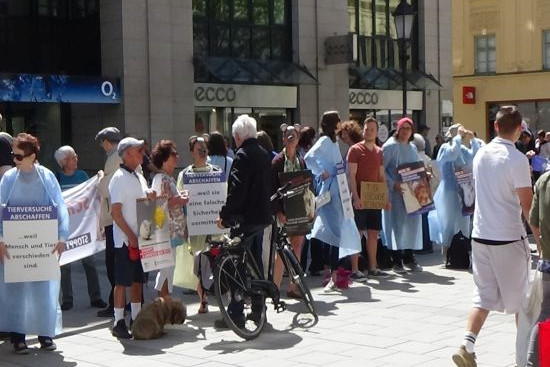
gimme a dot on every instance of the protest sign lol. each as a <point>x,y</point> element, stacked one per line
<point>85,235</point>
<point>416,190</point>
<point>345,195</point>
<point>299,204</point>
<point>154,233</point>
<point>374,195</point>
<point>466,190</point>
<point>30,235</point>
<point>207,194</point>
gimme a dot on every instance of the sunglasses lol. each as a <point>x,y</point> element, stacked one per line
<point>203,139</point>
<point>20,157</point>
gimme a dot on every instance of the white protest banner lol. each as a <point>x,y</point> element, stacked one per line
<point>85,236</point>
<point>207,193</point>
<point>30,235</point>
<point>345,195</point>
<point>154,233</point>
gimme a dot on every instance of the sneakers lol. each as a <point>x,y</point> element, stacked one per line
<point>399,269</point>
<point>66,306</point>
<point>464,359</point>
<point>358,276</point>
<point>414,267</point>
<point>98,303</point>
<point>377,273</point>
<point>47,343</point>
<point>20,347</point>
<point>330,287</point>
<point>120,331</point>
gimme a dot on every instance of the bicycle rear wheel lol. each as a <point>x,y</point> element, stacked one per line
<point>296,275</point>
<point>242,310</point>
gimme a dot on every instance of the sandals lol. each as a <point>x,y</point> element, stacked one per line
<point>20,348</point>
<point>47,343</point>
<point>204,307</point>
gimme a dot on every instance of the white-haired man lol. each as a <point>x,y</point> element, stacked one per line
<point>249,189</point>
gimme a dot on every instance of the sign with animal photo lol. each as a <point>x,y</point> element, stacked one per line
<point>466,190</point>
<point>207,194</point>
<point>30,235</point>
<point>299,204</point>
<point>374,195</point>
<point>154,233</point>
<point>417,194</point>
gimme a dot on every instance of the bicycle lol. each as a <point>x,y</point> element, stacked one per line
<point>240,286</point>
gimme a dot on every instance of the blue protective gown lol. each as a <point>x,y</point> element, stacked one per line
<point>32,307</point>
<point>447,219</point>
<point>330,224</point>
<point>400,231</point>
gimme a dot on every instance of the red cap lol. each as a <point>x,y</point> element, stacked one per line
<point>404,120</point>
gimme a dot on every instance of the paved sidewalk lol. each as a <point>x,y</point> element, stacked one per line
<point>415,319</point>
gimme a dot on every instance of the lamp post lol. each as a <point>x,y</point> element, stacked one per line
<point>403,17</point>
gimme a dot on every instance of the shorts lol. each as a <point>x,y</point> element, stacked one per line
<point>501,275</point>
<point>366,219</point>
<point>127,271</point>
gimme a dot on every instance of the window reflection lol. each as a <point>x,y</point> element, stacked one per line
<point>279,11</point>
<point>240,10</point>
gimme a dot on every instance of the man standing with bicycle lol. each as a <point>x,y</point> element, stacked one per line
<point>249,189</point>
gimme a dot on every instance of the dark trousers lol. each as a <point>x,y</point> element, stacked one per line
<point>426,242</point>
<point>110,261</point>
<point>402,257</point>
<point>316,251</point>
<point>91,277</point>
<point>331,256</point>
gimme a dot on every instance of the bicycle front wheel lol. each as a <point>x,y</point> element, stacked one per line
<point>296,275</point>
<point>242,309</point>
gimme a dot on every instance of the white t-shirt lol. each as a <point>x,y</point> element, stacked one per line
<point>125,188</point>
<point>499,169</point>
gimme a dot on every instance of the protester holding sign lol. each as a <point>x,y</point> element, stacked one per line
<point>125,188</point>
<point>184,276</point>
<point>165,156</point>
<point>456,155</point>
<point>331,225</point>
<point>31,307</point>
<point>402,233</point>
<point>366,164</point>
<point>70,176</point>
<point>287,161</point>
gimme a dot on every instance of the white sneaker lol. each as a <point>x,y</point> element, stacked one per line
<point>330,287</point>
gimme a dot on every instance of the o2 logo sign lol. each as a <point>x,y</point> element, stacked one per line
<point>215,94</point>
<point>108,90</point>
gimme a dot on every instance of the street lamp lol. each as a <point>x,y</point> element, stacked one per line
<point>403,16</point>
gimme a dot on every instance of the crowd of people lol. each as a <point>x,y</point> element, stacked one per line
<point>498,180</point>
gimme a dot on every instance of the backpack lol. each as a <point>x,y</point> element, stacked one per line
<point>203,266</point>
<point>458,254</point>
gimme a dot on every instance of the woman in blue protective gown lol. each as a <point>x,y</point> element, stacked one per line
<point>331,226</point>
<point>456,154</point>
<point>402,233</point>
<point>31,307</point>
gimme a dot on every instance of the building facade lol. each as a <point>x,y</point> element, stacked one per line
<point>501,56</point>
<point>161,69</point>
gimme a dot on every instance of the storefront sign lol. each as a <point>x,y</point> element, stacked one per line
<point>381,99</point>
<point>30,234</point>
<point>58,89</point>
<point>469,95</point>
<point>235,95</point>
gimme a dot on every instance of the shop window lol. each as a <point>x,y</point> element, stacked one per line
<point>240,10</point>
<point>279,12</point>
<point>546,49</point>
<point>199,9</point>
<point>221,9</point>
<point>485,54</point>
<point>261,12</point>
<point>241,43</point>
<point>221,41</point>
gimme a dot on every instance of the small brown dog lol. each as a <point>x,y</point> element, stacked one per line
<point>149,324</point>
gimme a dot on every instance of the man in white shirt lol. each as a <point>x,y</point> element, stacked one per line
<point>125,188</point>
<point>500,251</point>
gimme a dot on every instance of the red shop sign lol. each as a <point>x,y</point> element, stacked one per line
<point>469,95</point>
